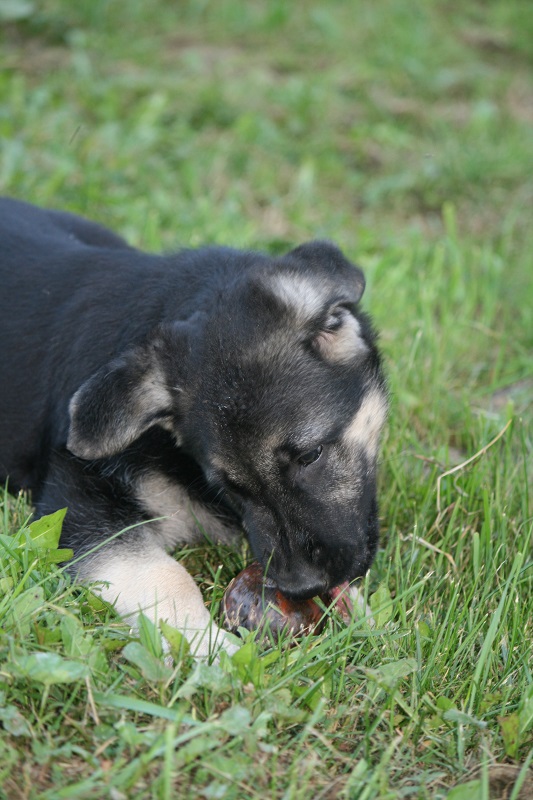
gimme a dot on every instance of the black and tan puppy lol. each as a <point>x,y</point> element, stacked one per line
<point>211,390</point>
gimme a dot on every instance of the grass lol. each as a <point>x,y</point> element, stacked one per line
<point>403,131</point>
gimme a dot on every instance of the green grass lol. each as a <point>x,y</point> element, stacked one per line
<point>403,131</point>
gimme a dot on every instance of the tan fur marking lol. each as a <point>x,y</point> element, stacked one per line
<point>305,297</point>
<point>365,428</point>
<point>183,520</point>
<point>146,397</point>
<point>152,582</point>
<point>343,344</point>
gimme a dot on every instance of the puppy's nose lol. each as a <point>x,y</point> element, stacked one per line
<point>302,587</point>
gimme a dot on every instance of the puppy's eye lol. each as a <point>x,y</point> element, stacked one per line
<point>311,456</point>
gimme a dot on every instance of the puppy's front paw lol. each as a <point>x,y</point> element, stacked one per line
<point>152,582</point>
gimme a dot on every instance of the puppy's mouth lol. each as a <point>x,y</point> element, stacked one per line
<point>253,600</point>
<point>339,596</point>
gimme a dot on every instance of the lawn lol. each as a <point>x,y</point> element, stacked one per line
<point>403,131</point>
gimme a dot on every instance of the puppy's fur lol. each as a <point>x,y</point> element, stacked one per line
<point>160,396</point>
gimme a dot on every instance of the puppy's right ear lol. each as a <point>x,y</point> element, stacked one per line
<point>126,397</point>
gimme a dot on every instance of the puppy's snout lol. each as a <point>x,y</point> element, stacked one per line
<point>304,591</point>
<point>301,582</point>
<point>317,553</point>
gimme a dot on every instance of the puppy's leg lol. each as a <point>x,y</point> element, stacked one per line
<point>146,579</point>
<point>133,568</point>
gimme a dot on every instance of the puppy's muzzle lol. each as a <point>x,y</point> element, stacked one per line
<point>302,584</point>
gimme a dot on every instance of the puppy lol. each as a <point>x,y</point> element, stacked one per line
<point>163,397</point>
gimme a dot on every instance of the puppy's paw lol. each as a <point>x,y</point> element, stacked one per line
<point>153,583</point>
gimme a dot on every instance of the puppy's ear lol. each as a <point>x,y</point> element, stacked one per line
<point>339,339</point>
<point>123,399</point>
<point>331,266</point>
<point>322,289</point>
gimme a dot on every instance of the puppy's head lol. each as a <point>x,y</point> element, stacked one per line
<point>278,394</point>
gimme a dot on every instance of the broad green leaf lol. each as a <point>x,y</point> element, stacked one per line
<point>510,730</point>
<point>58,556</point>
<point>216,791</point>
<point>179,646</point>
<point>260,725</point>
<point>75,640</point>
<point>96,603</point>
<point>152,668</point>
<point>235,720</point>
<point>388,675</point>
<point>251,663</point>
<point>280,705</point>
<point>444,703</point>
<point>45,532</point>
<point>246,654</point>
<point>16,10</point>
<point>8,542</point>
<point>14,722</point>
<point>359,774</point>
<point>205,676</point>
<point>24,606</point>
<point>47,668</point>
<point>424,630</point>
<point>247,661</point>
<point>381,605</point>
<point>47,636</point>
<point>310,697</point>
<point>129,732</point>
<point>472,790</point>
<point>111,644</point>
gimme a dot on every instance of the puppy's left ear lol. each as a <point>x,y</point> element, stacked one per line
<point>125,398</point>
<point>329,300</point>
<point>332,266</point>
